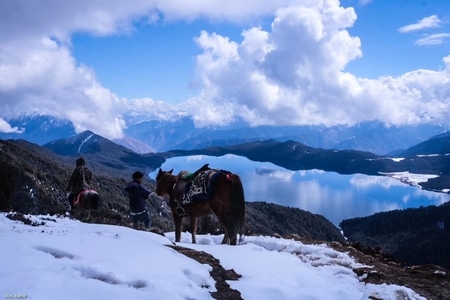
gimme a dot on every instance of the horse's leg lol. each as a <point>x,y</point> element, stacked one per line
<point>95,201</point>
<point>225,236</point>
<point>236,209</point>
<point>177,220</point>
<point>233,240</point>
<point>194,229</point>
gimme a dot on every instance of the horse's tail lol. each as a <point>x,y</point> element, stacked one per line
<point>95,201</point>
<point>91,199</point>
<point>236,216</point>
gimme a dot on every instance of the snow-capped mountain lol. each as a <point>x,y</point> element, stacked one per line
<point>39,129</point>
<point>182,134</point>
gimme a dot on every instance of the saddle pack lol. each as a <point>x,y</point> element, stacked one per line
<point>200,186</point>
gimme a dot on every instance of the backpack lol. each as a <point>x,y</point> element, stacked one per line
<point>84,178</point>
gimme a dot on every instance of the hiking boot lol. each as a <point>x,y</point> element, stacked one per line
<point>180,211</point>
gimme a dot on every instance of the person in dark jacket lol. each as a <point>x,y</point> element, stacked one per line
<point>80,180</point>
<point>138,195</point>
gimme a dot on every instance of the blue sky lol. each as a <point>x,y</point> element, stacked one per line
<point>286,62</point>
<point>156,60</point>
<point>387,51</point>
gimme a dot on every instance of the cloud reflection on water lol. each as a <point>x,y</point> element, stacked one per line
<point>361,181</point>
<point>284,175</point>
<point>332,195</point>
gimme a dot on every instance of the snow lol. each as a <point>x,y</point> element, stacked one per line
<point>83,142</point>
<point>397,159</point>
<point>410,178</point>
<point>61,258</point>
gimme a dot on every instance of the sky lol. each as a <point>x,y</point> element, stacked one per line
<point>66,259</point>
<point>283,62</point>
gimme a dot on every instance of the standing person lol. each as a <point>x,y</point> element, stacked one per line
<point>137,195</point>
<point>80,180</point>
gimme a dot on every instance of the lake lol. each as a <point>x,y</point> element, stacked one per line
<point>336,197</point>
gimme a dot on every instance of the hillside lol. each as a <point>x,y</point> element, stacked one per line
<point>41,190</point>
<point>105,154</point>
<point>414,236</point>
<point>439,144</point>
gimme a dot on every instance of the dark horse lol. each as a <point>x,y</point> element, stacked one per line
<point>226,202</point>
<point>87,199</point>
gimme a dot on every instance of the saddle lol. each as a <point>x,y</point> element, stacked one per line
<point>199,188</point>
<point>196,186</point>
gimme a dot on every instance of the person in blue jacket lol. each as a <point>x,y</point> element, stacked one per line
<point>138,195</point>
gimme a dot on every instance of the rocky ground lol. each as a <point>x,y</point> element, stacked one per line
<point>430,281</point>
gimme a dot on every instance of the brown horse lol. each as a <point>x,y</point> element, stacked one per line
<point>87,199</point>
<point>226,202</point>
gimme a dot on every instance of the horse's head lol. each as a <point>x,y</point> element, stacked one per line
<point>164,182</point>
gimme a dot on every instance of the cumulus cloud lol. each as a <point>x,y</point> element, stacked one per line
<point>294,74</point>
<point>291,73</point>
<point>38,72</point>
<point>426,23</point>
<point>41,76</point>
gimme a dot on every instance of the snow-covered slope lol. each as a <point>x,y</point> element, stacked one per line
<point>60,258</point>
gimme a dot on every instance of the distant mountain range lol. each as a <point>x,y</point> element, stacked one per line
<point>181,134</point>
<point>345,150</point>
<point>289,154</point>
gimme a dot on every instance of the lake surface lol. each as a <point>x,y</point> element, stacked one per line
<point>334,196</point>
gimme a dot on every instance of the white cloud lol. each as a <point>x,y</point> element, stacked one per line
<point>226,10</point>
<point>7,128</point>
<point>433,39</point>
<point>292,73</point>
<point>38,72</point>
<point>41,76</point>
<point>428,22</point>
<point>24,19</point>
<point>138,110</point>
<point>365,2</point>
